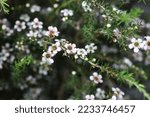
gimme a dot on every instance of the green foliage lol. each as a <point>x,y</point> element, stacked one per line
<point>19,68</point>
<point>78,86</point>
<point>128,78</point>
<point>127,18</point>
<point>140,87</point>
<point>123,77</point>
<point>88,32</point>
<point>88,27</point>
<point>123,20</point>
<point>135,12</point>
<point>138,72</point>
<point>4,6</point>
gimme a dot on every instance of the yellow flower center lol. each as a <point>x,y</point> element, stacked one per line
<point>70,47</point>
<point>136,44</point>
<point>96,78</point>
<point>51,34</point>
<point>48,55</point>
<point>148,43</point>
<point>54,47</point>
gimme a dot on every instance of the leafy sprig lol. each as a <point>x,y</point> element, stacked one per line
<point>122,76</point>
<point>19,68</point>
<point>4,6</point>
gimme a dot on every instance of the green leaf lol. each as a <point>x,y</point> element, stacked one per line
<point>19,67</point>
<point>4,6</point>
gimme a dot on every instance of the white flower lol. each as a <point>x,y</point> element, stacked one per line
<point>91,48</point>
<point>97,78</point>
<point>31,79</point>
<point>66,12</point>
<point>70,48</point>
<point>27,5</point>
<point>48,9</point>
<point>33,93</point>
<point>104,16</point>
<point>43,69</point>
<point>25,17</point>
<point>35,33</point>
<point>100,94</point>
<point>127,61</point>
<point>138,56</point>
<point>19,26</point>
<point>40,33</point>
<point>114,9</point>
<point>136,44</point>
<point>55,48</point>
<point>90,97</point>
<point>147,43</point>
<point>47,58</point>
<point>73,72</point>
<point>5,55</point>
<point>52,31</point>
<point>118,93</point>
<point>113,97</point>
<point>55,5</point>
<point>31,33</point>
<point>37,24</point>
<point>4,21</point>
<point>21,47</point>
<point>4,27</point>
<point>7,31</point>
<point>117,33</point>
<point>94,60</point>
<point>80,53</point>
<point>64,19</point>
<point>86,6</point>
<point>108,25</point>
<point>35,8</point>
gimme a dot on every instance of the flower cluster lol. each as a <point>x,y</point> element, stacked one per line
<point>65,13</point>
<point>137,44</point>
<point>7,31</point>
<point>5,55</point>
<point>68,49</point>
<point>97,78</point>
<point>100,94</point>
<point>91,48</point>
<point>52,32</point>
<point>21,47</point>
<point>90,97</point>
<point>118,94</point>
<point>80,53</point>
<point>36,31</point>
<point>19,26</point>
<point>34,8</point>
<point>52,51</point>
<point>47,57</point>
<point>35,28</point>
<point>86,6</point>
